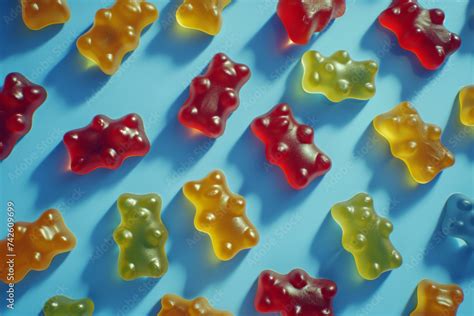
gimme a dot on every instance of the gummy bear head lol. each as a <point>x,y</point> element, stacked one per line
<point>223,70</point>
<point>358,212</point>
<point>209,190</point>
<point>439,299</point>
<point>276,122</point>
<point>458,220</point>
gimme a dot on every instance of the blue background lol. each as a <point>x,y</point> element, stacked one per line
<point>295,228</point>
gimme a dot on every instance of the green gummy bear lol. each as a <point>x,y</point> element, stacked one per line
<point>141,237</point>
<point>366,236</point>
<point>63,306</point>
<point>338,77</point>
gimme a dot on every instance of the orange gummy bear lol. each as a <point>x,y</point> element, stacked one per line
<point>116,31</point>
<point>38,14</point>
<point>202,15</point>
<point>436,299</point>
<point>32,246</point>
<point>415,142</point>
<point>174,305</point>
<point>221,214</point>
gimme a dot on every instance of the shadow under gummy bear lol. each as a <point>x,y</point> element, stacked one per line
<point>405,66</point>
<point>389,173</point>
<point>105,287</point>
<point>275,194</point>
<point>339,266</point>
<point>62,183</point>
<point>182,45</point>
<point>193,250</point>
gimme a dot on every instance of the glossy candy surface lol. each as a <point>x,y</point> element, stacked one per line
<point>174,305</point>
<point>116,31</point>
<point>106,143</point>
<point>435,299</point>
<point>202,15</point>
<point>366,236</point>
<point>141,237</point>
<point>415,142</point>
<point>61,305</point>
<point>19,99</point>
<point>420,31</point>
<point>294,294</point>
<point>214,96</point>
<point>289,145</point>
<point>466,103</point>
<point>302,18</point>
<point>35,245</point>
<point>458,220</point>
<point>221,214</point>
<point>338,77</point>
<point>38,14</point>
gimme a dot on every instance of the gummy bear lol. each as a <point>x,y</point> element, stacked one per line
<point>435,299</point>
<point>61,305</point>
<point>366,236</point>
<point>19,99</point>
<point>202,15</point>
<point>214,96</point>
<point>174,305</point>
<point>38,14</point>
<point>34,246</point>
<point>106,143</point>
<point>338,77</point>
<point>415,142</point>
<point>289,145</point>
<point>420,31</point>
<point>116,31</point>
<point>294,294</point>
<point>458,220</point>
<point>221,214</point>
<point>141,237</point>
<point>303,18</point>
<point>466,103</point>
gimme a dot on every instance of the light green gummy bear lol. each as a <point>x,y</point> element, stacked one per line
<point>63,306</point>
<point>366,236</point>
<point>338,77</point>
<point>141,237</point>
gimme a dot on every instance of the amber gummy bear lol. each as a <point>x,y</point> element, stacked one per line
<point>221,214</point>
<point>61,305</point>
<point>466,103</point>
<point>141,237</point>
<point>435,299</point>
<point>35,245</point>
<point>38,14</point>
<point>202,15</point>
<point>116,31</point>
<point>415,142</point>
<point>174,305</point>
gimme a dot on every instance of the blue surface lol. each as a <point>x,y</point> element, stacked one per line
<point>295,228</point>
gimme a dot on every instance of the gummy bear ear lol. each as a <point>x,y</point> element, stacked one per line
<point>282,109</point>
<point>192,188</point>
<point>217,176</point>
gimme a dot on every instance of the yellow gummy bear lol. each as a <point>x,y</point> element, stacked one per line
<point>466,103</point>
<point>221,214</point>
<point>174,305</point>
<point>202,15</point>
<point>116,31</point>
<point>38,14</point>
<point>338,77</point>
<point>415,142</point>
<point>366,236</point>
<point>436,299</point>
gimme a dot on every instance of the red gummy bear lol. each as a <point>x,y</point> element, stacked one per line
<point>19,99</point>
<point>302,18</point>
<point>214,96</point>
<point>420,31</point>
<point>290,146</point>
<point>294,294</point>
<point>106,143</point>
